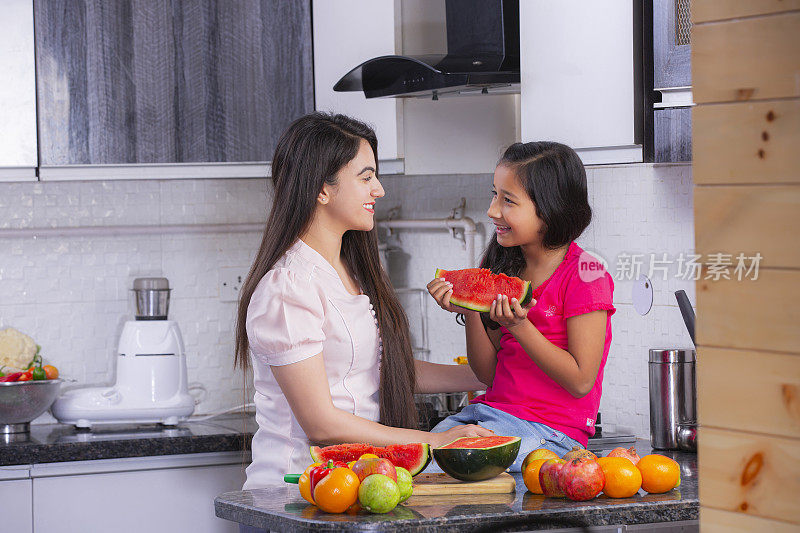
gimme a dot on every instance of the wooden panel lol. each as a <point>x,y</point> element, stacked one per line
<point>156,81</point>
<point>748,220</point>
<point>761,314</point>
<point>709,10</point>
<point>753,142</point>
<point>673,134</point>
<point>716,521</point>
<point>752,474</point>
<point>748,59</point>
<point>749,390</point>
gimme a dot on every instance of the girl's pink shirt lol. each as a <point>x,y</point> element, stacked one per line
<point>579,285</point>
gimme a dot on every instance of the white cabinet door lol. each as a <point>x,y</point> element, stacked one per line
<point>16,502</point>
<point>134,495</point>
<point>347,33</point>
<point>18,157</point>
<point>577,77</point>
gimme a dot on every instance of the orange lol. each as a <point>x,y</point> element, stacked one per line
<point>540,453</point>
<point>623,479</point>
<point>659,473</point>
<point>368,456</point>
<point>531,476</point>
<point>337,491</point>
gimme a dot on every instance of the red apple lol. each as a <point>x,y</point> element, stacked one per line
<point>548,477</point>
<point>581,479</point>
<point>627,453</point>
<point>367,467</point>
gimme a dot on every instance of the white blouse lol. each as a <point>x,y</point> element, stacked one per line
<point>299,309</point>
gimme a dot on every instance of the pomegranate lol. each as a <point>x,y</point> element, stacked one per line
<point>627,453</point>
<point>367,467</point>
<point>548,477</point>
<point>581,479</point>
<point>576,452</point>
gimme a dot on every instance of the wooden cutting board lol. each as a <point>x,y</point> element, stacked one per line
<point>437,484</point>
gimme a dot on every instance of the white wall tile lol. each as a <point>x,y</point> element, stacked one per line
<point>71,294</point>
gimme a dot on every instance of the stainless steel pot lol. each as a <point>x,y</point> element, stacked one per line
<point>673,399</point>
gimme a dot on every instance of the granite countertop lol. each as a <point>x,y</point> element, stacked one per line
<point>55,443</point>
<point>281,508</point>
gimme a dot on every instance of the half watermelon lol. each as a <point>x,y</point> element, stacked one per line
<point>477,458</point>
<point>412,457</point>
<point>475,288</point>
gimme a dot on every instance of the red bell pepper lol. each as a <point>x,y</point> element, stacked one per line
<point>11,377</point>
<point>318,473</point>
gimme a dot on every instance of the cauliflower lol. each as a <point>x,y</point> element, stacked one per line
<point>16,348</point>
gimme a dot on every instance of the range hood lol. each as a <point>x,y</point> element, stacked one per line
<point>482,56</point>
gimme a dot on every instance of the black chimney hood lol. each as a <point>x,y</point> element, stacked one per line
<point>482,55</point>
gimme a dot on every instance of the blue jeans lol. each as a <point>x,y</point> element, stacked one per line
<point>534,434</point>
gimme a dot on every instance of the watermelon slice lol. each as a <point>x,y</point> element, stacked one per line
<point>412,457</point>
<point>475,288</point>
<point>477,458</point>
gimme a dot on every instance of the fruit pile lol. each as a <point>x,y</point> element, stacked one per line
<point>370,483</point>
<point>580,475</point>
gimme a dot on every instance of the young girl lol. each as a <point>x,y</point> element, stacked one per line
<point>544,363</point>
<point>318,320</point>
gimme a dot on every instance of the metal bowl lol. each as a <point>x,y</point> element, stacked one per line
<point>21,402</point>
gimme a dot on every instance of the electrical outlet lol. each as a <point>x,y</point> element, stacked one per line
<point>230,283</point>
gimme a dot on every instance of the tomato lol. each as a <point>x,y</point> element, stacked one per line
<point>25,376</point>
<point>337,491</point>
<point>50,371</point>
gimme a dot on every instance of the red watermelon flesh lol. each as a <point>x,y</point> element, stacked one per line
<point>478,442</point>
<point>413,457</point>
<point>475,288</point>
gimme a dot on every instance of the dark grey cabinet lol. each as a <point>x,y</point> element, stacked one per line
<point>672,69</point>
<point>169,81</point>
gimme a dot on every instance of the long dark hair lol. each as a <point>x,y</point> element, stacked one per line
<point>555,180</point>
<point>310,153</point>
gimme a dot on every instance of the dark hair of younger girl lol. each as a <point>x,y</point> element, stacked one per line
<point>309,154</point>
<point>555,180</point>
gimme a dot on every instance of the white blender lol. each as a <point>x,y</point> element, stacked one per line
<point>151,383</point>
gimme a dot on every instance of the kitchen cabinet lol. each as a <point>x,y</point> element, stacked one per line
<point>347,33</point>
<point>16,500</point>
<point>134,89</point>
<point>18,157</point>
<point>580,78</point>
<point>465,134</point>
<point>155,494</point>
<point>672,78</point>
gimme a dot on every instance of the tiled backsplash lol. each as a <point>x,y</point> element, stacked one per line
<point>71,293</point>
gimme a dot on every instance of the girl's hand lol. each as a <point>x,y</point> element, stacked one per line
<point>509,313</point>
<point>457,432</point>
<point>441,291</point>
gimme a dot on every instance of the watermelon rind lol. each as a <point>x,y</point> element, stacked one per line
<point>477,464</point>
<point>524,299</point>
<point>351,452</point>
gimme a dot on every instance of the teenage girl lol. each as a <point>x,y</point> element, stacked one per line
<point>543,364</point>
<point>318,320</point>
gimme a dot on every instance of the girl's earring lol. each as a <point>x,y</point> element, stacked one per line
<point>323,200</point>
